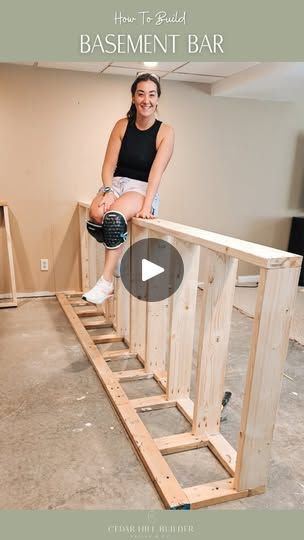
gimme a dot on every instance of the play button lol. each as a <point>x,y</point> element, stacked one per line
<point>152,269</point>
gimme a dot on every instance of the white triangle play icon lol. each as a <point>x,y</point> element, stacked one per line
<point>150,270</point>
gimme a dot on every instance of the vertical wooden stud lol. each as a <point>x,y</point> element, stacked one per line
<point>219,279</point>
<point>269,345</point>
<point>182,321</point>
<point>84,247</point>
<point>157,342</point>
<point>138,308</point>
<point>13,301</point>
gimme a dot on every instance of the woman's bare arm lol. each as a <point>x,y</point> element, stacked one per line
<point>102,202</point>
<point>159,165</point>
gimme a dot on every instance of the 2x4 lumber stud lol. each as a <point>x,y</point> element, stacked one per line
<point>158,313</point>
<point>13,301</point>
<point>117,354</point>
<point>138,308</point>
<point>219,285</point>
<point>152,402</point>
<point>132,375</point>
<point>182,323</point>
<point>109,310</point>
<point>122,306</point>
<point>106,338</point>
<point>213,493</point>
<point>84,246</point>
<point>88,313</point>
<point>179,443</point>
<point>263,256</point>
<point>186,407</point>
<point>78,303</point>
<point>274,308</point>
<point>95,324</point>
<point>8,304</point>
<point>223,451</point>
<point>161,378</point>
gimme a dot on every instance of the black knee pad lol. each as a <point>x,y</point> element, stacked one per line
<point>96,230</point>
<point>115,229</point>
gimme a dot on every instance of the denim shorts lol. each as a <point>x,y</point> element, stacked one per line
<point>122,184</point>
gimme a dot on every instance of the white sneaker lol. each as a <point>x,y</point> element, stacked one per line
<point>99,293</point>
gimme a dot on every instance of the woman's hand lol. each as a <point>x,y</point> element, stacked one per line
<point>145,213</point>
<point>107,201</point>
<point>101,204</point>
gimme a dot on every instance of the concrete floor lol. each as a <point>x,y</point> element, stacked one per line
<point>62,446</point>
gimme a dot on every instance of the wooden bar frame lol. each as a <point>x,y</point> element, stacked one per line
<point>248,466</point>
<point>9,245</point>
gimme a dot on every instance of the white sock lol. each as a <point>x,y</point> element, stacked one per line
<point>108,285</point>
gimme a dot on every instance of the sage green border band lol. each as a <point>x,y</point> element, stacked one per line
<point>264,30</point>
<point>158,525</point>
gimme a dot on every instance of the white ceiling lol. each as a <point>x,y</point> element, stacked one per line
<point>279,81</point>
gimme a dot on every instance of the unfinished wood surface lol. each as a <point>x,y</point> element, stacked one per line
<point>84,204</point>
<point>110,311</point>
<point>86,312</point>
<point>97,324</point>
<point>10,252</point>
<point>79,303</point>
<point>213,493</point>
<point>122,353</point>
<point>256,254</point>
<point>89,313</point>
<point>138,308</point>
<point>223,451</point>
<point>152,403</point>
<point>10,303</point>
<point>165,482</point>
<point>182,323</point>
<point>219,279</point>
<point>181,442</point>
<point>157,342</point>
<point>132,375</point>
<point>161,379</point>
<point>122,299</point>
<point>122,308</point>
<point>9,245</point>
<point>274,309</point>
<point>186,407</point>
<point>84,246</point>
<point>157,335</point>
<point>106,338</point>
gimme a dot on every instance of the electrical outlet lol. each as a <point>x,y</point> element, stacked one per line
<point>44,265</point>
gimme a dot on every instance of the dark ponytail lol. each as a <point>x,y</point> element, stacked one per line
<point>131,114</point>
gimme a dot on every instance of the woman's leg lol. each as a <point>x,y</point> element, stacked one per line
<point>128,204</point>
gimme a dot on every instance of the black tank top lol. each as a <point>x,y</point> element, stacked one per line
<point>137,152</point>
